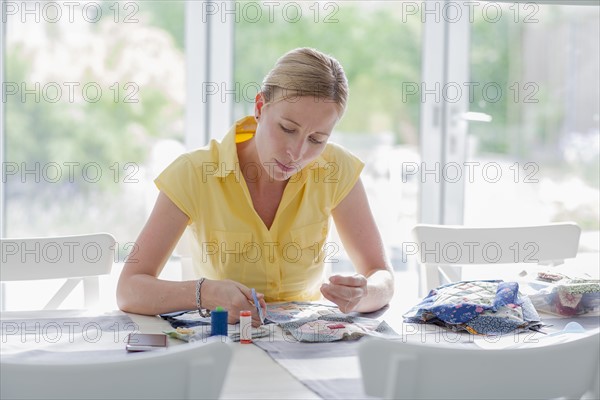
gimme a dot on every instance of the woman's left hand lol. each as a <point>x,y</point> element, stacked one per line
<point>345,291</point>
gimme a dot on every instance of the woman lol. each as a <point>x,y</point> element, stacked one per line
<point>258,205</point>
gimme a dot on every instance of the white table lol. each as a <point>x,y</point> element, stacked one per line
<point>253,373</point>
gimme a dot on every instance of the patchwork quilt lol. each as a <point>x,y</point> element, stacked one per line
<point>479,307</point>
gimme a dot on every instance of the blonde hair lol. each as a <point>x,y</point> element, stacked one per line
<point>307,72</point>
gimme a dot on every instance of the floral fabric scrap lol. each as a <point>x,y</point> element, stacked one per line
<point>312,322</point>
<point>334,327</point>
<point>478,307</point>
<point>568,297</point>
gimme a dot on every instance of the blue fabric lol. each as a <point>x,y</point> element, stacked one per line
<point>481,307</point>
<point>506,293</point>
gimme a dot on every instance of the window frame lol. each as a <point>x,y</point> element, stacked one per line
<point>209,58</point>
<point>443,130</point>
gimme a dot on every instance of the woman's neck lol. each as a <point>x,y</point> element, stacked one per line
<point>253,171</point>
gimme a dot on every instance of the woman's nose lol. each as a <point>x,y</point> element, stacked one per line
<point>295,150</point>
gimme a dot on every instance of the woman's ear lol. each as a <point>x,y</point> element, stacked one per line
<point>259,102</point>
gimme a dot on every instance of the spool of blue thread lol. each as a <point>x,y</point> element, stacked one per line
<point>218,321</point>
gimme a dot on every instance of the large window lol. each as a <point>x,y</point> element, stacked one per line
<point>536,159</point>
<point>94,107</point>
<point>95,95</point>
<point>91,89</point>
<point>379,45</point>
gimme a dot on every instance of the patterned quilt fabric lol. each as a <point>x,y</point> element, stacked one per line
<point>478,307</point>
<point>334,327</point>
<point>568,297</point>
<point>311,322</point>
<point>302,321</point>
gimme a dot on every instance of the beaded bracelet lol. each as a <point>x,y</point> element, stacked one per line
<point>199,283</point>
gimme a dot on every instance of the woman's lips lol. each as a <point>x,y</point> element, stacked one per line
<point>284,167</point>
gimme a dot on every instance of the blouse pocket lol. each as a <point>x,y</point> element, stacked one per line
<point>306,247</point>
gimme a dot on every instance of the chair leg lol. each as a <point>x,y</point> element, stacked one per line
<point>430,279</point>
<point>450,273</point>
<point>62,293</point>
<point>91,291</point>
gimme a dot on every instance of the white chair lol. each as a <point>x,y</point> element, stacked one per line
<point>396,370</point>
<point>190,371</point>
<point>79,258</point>
<point>442,249</point>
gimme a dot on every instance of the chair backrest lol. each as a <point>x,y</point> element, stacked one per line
<point>443,245</point>
<point>187,371</point>
<point>76,258</point>
<point>396,370</point>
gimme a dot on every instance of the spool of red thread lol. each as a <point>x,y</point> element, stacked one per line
<point>245,327</point>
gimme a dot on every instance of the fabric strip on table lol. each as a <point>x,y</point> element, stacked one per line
<point>113,323</point>
<point>76,337</point>
<point>557,323</point>
<point>344,388</point>
<point>329,369</point>
<point>281,349</point>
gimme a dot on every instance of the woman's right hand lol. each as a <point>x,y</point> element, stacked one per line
<point>232,296</point>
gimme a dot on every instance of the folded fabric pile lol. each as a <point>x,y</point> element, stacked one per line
<point>318,323</point>
<point>568,296</point>
<point>478,307</point>
<point>334,327</point>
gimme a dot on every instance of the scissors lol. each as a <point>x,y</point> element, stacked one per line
<point>258,307</point>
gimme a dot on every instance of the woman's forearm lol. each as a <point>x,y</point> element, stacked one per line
<point>380,289</point>
<point>148,295</point>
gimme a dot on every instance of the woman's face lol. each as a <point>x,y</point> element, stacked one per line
<point>292,132</point>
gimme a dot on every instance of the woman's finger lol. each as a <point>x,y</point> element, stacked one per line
<point>345,292</point>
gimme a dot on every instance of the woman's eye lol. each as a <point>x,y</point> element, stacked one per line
<point>286,130</point>
<point>315,141</point>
